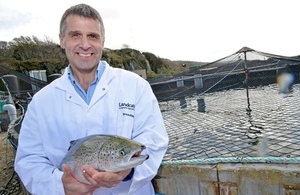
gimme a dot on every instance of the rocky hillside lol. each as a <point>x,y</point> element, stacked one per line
<point>24,54</point>
<point>131,59</point>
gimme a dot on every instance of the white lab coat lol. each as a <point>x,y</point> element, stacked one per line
<point>57,115</point>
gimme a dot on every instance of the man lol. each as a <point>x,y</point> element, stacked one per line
<point>85,101</point>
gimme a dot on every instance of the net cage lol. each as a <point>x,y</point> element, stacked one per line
<point>241,108</point>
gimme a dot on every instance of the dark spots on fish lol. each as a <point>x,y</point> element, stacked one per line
<point>102,156</point>
<point>103,152</point>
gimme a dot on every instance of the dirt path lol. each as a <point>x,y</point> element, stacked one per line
<point>9,183</point>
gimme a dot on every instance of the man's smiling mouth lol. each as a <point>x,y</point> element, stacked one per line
<point>84,55</point>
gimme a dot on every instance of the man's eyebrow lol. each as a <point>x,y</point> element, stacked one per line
<point>74,31</point>
<point>97,34</point>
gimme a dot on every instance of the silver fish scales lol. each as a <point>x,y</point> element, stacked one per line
<point>110,153</point>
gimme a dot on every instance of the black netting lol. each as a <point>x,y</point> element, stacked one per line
<point>233,107</point>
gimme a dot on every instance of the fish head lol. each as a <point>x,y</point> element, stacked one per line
<point>121,154</point>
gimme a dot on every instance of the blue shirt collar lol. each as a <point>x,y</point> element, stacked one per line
<point>86,96</point>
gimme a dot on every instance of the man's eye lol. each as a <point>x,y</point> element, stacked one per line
<point>93,36</point>
<point>74,35</point>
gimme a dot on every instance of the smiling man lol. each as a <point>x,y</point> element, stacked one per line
<point>91,97</point>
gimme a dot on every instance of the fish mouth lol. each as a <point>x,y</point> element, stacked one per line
<point>134,158</point>
<point>138,157</point>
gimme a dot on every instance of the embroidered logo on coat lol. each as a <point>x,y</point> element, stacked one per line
<point>126,106</point>
<point>125,114</point>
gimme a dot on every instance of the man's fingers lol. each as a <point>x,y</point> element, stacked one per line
<point>66,169</point>
<point>88,172</point>
<point>96,178</point>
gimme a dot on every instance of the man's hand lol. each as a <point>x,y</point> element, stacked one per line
<point>103,179</point>
<point>72,186</point>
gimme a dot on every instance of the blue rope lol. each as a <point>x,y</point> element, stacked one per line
<point>276,160</point>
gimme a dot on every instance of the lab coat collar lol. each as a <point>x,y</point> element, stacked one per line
<point>102,87</point>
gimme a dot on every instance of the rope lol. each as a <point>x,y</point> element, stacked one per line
<point>272,160</point>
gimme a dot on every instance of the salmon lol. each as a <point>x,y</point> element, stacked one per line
<point>109,153</point>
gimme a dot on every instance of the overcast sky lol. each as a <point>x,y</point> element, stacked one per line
<point>196,30</point>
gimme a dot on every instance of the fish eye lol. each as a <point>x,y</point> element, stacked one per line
<point>122,152</point>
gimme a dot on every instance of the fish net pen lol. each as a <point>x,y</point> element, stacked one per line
<point>241,108</point>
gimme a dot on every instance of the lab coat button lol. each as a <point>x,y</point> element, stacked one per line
<point>103,89</point>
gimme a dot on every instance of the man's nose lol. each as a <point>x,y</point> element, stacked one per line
<point>85,42</point>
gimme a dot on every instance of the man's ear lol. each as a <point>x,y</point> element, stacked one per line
<point>61,42</point>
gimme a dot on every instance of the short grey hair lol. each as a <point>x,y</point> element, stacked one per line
<point>84,11</point>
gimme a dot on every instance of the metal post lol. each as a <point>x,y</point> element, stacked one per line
<point>247,81</point>
<point>183,103</point>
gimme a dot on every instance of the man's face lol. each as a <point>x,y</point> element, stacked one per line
<point>83,43</point>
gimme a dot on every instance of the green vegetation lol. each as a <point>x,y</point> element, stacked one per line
<point>29,53</point>
<point>24,54</point>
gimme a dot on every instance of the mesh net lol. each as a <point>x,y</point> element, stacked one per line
<point>245,105</point>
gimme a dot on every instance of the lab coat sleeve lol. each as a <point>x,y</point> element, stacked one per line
<point>36,172</point>
<point>149,129</point>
